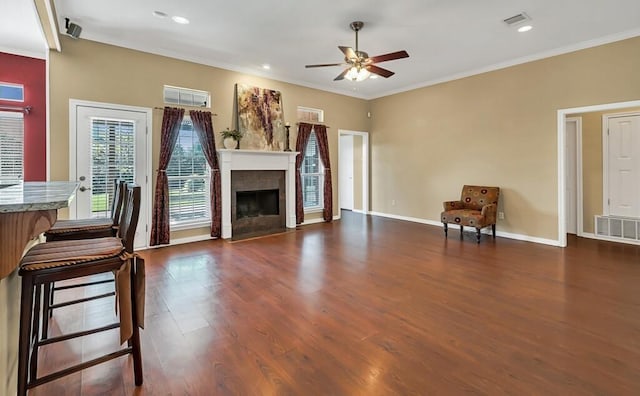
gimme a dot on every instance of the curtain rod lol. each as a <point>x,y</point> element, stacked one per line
<point>327,126</point>
<point>26,109</point>
<point>184,107</point>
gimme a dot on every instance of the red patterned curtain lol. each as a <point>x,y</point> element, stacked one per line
<point>171,120</point>
<point>304,131</point>
<point>204,127</point>
<point>323,147</point>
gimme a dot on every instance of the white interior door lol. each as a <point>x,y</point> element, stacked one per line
<point>571,129</point>
<point>346,172</point>
<point>110,144</point>
<point>624,166</point>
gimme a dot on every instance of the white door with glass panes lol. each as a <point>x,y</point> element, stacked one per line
<point>110,143</point>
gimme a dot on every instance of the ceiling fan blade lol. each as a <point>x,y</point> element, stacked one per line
<point>341,75</point>
<point>348,52</point>
<point>324,65</point>
<point>388,57</point>
<point>380,71</point>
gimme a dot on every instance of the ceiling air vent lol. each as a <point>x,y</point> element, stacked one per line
<point>517,19</point>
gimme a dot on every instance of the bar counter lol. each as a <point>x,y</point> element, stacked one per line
<point>27,209</point>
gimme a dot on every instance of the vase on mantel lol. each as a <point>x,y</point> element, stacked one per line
<point>231,143</point>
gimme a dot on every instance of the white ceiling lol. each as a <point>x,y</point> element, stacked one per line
<point>20,31</point>
<point>445,39</point>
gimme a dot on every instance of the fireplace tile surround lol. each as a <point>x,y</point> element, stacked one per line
<point>247,160</point>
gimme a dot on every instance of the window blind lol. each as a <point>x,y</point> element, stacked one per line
<point>11,145</point>
<point>188,176</point>
<point>112,157</point>
<point>312,175</point>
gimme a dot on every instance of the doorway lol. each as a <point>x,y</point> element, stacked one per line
<point>346,187</point>
<point>353,170</point>
<point>583,207</point>
<point>573,172</point>
<point>108,142</point>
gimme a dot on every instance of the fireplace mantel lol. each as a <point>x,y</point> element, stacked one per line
<point>257,160</point>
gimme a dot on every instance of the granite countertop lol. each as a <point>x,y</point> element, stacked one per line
<point>31,196</point>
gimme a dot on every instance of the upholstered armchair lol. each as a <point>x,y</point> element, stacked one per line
<point>477,207</point>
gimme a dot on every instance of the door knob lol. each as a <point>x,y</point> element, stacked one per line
<point>83,188</point>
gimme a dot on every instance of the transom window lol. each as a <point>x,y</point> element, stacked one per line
<point>188,176</point>
<point>12,92</point>
<point>312,173</point>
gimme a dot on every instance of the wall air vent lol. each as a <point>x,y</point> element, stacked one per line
<point>517,19</point>
<point>618,228</point>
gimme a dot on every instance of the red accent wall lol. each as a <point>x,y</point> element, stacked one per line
<point>31,73</point>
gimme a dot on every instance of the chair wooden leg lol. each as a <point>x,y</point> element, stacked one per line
<point>35,333</point>
<point>135,337</point>
<point>26,315</point>
<point>478,234</point>
<point>461,231</point>
<point>45,310</point>
<point>446,228</point>
<point>493,230</point>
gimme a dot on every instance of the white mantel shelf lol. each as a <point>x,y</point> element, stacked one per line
<point>231,160</point>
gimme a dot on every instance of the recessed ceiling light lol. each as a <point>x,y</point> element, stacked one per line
<point>266,66</point>
<point>160,14</point>
<point>525,28</point>
<point>180,20</point>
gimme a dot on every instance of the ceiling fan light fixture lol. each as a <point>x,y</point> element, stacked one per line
<point>355,74</point>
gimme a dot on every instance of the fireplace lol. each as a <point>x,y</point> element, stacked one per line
<point>243,169</point>
<point>257,202</point>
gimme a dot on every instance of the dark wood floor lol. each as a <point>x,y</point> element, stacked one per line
<point>373,306</point>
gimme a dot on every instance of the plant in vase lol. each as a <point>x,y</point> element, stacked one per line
<point>231,138</point>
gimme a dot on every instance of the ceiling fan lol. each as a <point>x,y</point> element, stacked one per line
<point>360,65</point>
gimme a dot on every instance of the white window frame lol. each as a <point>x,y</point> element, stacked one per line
<point>192,223</point>
<point>308,114</point>
<point>11,147</point>
<point>320,175</point>
<point>185,96</point>
<point>11,85</point>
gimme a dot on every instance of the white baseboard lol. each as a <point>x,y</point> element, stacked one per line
<point>319,220</point>
<point>503,234</point>
<point>358,211</point>
<point>180,241</point>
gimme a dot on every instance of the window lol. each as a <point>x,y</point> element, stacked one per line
<point>112,157</point>
<point>11,146</point>
<point>312,173</point>
<point>307,114</point>
<point>186,97</point>
<point>188,175</point>
<point>12,92</point>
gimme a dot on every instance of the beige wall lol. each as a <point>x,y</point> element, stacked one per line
<point>592,166</point>
<point>87,70</point>
<point>497,128</point>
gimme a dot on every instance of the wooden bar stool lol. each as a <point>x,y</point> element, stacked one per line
<point>62,260</point>
<point>91,228</point>
<point>64,230</point>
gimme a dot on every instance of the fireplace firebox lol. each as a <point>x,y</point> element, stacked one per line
<point>258,199</point>
<point>257,203</point>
